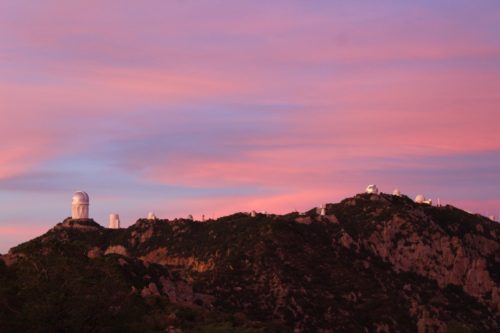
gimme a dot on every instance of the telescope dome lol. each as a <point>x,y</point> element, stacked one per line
<point>80,198</point>
<point>372,189</point>
<point>420,198</point>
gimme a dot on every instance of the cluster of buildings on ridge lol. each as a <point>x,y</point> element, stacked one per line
<point>373,189</point>
<point>80,210</point>
<point>80,207</point>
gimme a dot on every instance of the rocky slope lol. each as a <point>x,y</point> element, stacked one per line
<point>375,263</point>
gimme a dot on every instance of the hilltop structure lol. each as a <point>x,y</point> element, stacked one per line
<point>420,199</point>
<point>322,210</point>
<point>372,189</point>
<point>114,221</point>
<point>80,205</point>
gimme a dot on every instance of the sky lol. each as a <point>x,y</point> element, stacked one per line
<point>213,107</point>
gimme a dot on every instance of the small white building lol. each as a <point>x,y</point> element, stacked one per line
<point>114,221</point>
<point>396,192</point>
<point>80,205</point>
<point>322,210</point>
<point>420,199</point>
<point>372,189</point>
<point>151,216</point>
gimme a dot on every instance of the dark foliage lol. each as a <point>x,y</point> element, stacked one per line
<point>263,274</point>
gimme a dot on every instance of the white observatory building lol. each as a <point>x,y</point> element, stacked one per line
<point>420,199</point>
<point>151,216</point>
<point>114,221</point>
<point>372,189</point>
<point>80,205</point>
<point>396,192</point>
<point>322,210</point>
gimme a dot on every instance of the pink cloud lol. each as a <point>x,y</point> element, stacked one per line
<point>20,230</point>
<point>14,234</point>
<point>280,203</point>
<point>484,207</point>
<point>355,85</point>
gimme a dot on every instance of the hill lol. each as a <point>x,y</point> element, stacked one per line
<point>374,263</point>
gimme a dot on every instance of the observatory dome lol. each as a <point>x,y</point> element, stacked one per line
<point>80,198</point>
<point>420,198</point>
<point>80,205</point>
<point>372,189</point>
<point>397,192</point>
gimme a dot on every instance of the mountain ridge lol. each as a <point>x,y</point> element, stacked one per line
<point>374,263</point>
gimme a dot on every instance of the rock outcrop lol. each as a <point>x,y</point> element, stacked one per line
<point>373,263</point>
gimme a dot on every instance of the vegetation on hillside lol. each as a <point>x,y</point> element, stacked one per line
<point>349,271</point>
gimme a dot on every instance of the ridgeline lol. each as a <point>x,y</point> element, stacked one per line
<point>373,263</point>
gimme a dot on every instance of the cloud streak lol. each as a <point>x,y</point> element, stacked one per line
<point>210,107</point>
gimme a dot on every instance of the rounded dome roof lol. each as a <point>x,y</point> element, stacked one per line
<point>396,192</point>
<point>419,198</point>
<point>80,197</point>
<point>372,189</point>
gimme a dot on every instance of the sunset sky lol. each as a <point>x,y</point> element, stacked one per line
<point>212,107</point>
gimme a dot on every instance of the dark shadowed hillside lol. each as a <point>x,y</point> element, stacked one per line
<point>374,263</point>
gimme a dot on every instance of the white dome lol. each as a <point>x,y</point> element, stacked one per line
<point>419,198</point>
<point>397,192</point>
<point>80,198</point>
<point>372,189</point>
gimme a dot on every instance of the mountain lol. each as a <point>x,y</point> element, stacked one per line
<point>374,263</point>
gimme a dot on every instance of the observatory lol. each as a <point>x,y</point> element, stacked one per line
<point>151,216</point>
<point>420,199</point>
<point>396,192</point>
<point>80,205</point>
<point>322,210</point>
<point>114,221</point>
<point>372,189</point>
